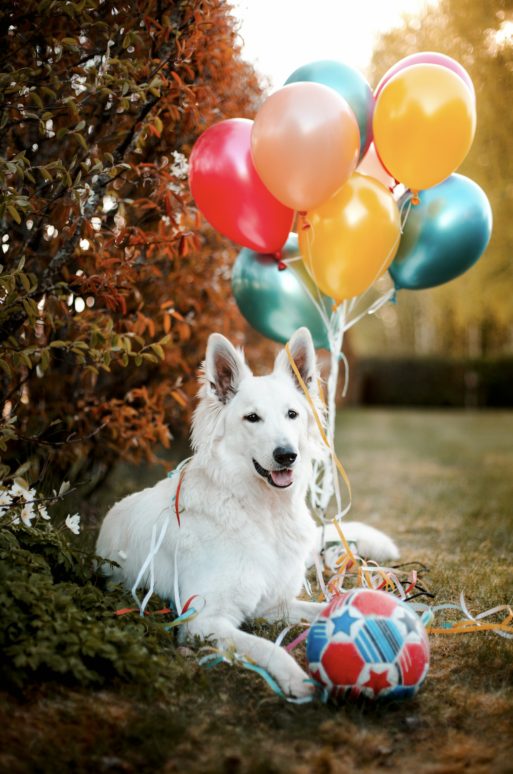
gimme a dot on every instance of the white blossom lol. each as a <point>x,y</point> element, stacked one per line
<point>27,514</point>
<point>180,168</point>
<point>5,502</point>
<point>19,491</point>
<point>43,512</point>
<point>73,523</point>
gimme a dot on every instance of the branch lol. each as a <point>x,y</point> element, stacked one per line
<point>37,440</point>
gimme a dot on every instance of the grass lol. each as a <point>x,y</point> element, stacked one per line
<point>440,483</point>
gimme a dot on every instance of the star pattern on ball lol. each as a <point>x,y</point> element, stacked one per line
<point>409,622</point>
<point>377,682</point>
<point>342,623</point>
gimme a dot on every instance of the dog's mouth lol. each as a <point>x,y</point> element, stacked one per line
<point>281,479</point>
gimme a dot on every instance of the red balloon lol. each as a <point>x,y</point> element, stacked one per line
<point>228,191</point>
<point>428,57</point>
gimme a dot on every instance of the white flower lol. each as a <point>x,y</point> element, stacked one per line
<point>5,502</point>
<point>180,168</point>
<point>73,523</point>
<point>43,512</point>
<point>27,514</point>
<point>19,491</point>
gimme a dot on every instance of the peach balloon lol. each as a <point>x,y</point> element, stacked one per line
<point>352,238</point>
<point>371,166</point>
<point>305,144</point>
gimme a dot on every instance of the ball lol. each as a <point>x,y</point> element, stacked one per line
<point>368,643</point>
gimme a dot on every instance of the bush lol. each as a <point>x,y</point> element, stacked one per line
<point>433,381</point>
<point>110,283</point>
<point>58,622</point>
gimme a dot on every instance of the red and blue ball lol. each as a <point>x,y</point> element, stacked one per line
<point>368,643</point>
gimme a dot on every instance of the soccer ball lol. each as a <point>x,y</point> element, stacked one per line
<point>368,643</point>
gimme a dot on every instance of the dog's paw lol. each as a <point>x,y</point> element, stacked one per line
<point>292,679</point>
<point>371,543</point>
<point>374,544</point>
<point>298,686</point>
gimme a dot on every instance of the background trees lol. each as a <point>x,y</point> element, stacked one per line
<point>473,314</point>
<point>110,283</point>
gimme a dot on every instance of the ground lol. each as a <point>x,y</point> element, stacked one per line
<point>440,483</point>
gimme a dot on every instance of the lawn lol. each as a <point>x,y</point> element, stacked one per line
<point>440,483</point>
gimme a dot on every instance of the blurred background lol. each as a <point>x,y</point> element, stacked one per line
<point>451,345</point>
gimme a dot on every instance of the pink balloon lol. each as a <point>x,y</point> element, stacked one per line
<point>228,191</point>
<point>371,166</point>
<point>428,57</point>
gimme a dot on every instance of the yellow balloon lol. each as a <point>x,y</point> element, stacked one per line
<point>352,238</point>
<point>424,124</point>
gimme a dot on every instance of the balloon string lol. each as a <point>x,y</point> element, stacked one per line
<point>319,306</point>
<point>318,421</point>
<point>346,372</point>
<point>372,308</point>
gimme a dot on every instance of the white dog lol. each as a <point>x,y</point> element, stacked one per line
<point>246,532</point>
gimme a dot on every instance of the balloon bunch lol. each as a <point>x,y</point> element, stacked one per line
<point>326,147</point>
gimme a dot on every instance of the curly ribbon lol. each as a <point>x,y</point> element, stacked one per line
<point>218,655</point>
<point>188,614</point>
<point>155,545</point>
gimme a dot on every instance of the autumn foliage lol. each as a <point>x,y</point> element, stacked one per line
<point>111,283</point>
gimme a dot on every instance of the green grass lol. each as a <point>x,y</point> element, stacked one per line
<point>440,483</point>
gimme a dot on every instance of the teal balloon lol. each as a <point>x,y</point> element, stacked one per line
<point>275,303</point>
<point>444,235</point>
<point>350,84</point>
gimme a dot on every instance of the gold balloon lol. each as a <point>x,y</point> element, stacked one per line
<point>352,238</point>
<point>424,124</point>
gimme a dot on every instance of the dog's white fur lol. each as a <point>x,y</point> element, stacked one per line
<point>243,542</point>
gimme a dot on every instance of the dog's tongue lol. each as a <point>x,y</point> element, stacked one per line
<point>281,477</point>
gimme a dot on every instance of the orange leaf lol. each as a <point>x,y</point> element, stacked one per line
<point>184,247</point>
<point>178,398</point>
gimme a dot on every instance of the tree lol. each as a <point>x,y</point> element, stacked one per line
<point>111,282</point>
<point>474,312</point>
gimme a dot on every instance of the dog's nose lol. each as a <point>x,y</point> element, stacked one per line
<point>284,456</point>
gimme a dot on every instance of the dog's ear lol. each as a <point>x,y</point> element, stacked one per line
<point>303,353</point>
<point>224,367</point>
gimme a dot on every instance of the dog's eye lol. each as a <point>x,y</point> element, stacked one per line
<point>292,414</point>
<point>252,418</point>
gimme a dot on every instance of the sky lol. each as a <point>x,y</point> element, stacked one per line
<point>282,35</point>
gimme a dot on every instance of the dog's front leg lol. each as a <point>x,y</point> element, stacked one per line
<point>264,653</point>
<point>294,611</point>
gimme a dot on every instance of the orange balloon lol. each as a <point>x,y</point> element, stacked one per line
<point>371,166</point>
<point>305,144</point>
<point>352,239</point>
<point>424,124</point>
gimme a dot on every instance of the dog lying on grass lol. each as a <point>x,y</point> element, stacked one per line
<point>246,532</point>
